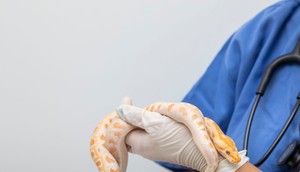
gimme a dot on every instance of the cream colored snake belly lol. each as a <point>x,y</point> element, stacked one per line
<point>109,152</point>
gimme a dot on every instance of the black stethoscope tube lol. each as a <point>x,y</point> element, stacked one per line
<point>292,58</point>
<point>250,119</point>
<point>278,138</point>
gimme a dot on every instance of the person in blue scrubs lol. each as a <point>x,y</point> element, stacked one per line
<point>226,91</point>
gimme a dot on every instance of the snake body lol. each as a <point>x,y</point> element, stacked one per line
<point>109,152</point>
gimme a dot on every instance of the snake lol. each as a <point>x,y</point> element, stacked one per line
<point>109,152</point>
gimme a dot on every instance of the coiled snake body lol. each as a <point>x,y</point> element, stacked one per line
<point>109,152</point>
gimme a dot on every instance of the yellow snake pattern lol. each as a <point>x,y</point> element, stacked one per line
<point>109,152</point>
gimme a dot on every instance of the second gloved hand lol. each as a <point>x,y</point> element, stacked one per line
<point>162,139</point>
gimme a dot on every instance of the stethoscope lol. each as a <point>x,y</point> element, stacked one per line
<point>291,156</point>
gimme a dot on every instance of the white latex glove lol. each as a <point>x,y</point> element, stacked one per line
<point>163,139</point>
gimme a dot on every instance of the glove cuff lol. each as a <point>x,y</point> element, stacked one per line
<point>226,166</point>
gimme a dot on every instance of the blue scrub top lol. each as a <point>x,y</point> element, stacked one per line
<point>226,91</point>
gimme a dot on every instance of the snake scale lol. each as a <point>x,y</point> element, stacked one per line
<point>109,152</point>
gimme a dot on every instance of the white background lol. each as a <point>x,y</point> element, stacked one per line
<point>64,64</point>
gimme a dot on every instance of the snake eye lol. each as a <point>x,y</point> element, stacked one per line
<point>228,152</point>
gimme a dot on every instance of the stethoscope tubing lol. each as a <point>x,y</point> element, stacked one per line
<point>292,58</point>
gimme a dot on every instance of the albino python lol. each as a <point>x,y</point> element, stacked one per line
<point>109,152</point>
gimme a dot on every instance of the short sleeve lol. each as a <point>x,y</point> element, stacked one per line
<point>214,92</point>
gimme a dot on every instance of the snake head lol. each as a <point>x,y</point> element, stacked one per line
<point>223,143</point>
<point>229,150</point>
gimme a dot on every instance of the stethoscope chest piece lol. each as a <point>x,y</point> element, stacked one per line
<point>291,157</point>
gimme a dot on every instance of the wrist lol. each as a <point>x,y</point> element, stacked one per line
<point>248,167</point>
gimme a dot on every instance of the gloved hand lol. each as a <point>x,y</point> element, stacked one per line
<point>163,139</point>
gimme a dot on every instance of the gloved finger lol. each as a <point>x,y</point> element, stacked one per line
<point>138,141</point>
<point>131,114</point>
<point>141,118</point>
<point>126,101</point>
